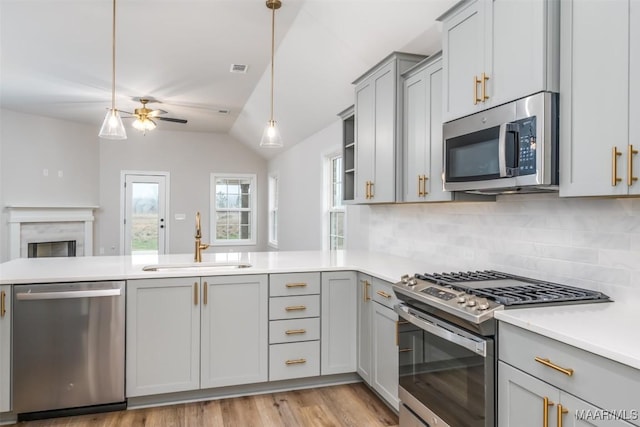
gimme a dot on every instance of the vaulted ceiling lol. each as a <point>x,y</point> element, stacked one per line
<point>55,58</point>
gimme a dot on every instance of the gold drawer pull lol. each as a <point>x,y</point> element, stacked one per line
<point>3,307</point>
<point>296,308</point>
<point>296,331</point>
<point>548,363</point>
<point>295,361</point>
<point>545,411</point>
<point>195,293</point>
<point>205,292</point>
<point>383,294</point>
<point>405,350</point>
<point>614,166</point>
<point>630,178</point>
<point>561,411</point>
<point>296,285</point>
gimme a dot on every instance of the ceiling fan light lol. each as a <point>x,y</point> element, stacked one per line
<point>271,136</point>
<point>112,127</point>
<point>144,125</point>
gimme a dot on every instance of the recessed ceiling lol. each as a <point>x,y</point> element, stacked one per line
<point>55,58</point>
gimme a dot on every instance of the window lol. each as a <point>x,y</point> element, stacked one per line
<point>336,210</point>
<point>233,208</point>
<point>273,210</point>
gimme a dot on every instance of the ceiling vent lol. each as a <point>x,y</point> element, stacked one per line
<point>239,68</point>
<point>224,111</point>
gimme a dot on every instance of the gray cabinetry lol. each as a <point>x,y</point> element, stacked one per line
<point>378,130</point>
<point>5,348</point>
<point>599,100</point>
<point>538,377</point>
<point>378,338</point>
<point>348,154</point>
<point>496,51</point>
<point>339,320</point>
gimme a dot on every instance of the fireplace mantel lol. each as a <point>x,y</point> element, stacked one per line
<point>23,214</point>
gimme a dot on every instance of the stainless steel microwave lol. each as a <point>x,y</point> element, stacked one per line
<point>511,148</point>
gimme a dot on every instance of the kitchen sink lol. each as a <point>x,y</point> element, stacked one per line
<point>196,266</point>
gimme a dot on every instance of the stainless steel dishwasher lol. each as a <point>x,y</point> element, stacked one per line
<point>68,348</point>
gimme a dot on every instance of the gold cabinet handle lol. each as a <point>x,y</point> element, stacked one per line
<point>614,166</point>
<point>405,350</point>
<point>296,331</point>
<point>384,294</point>
<point>561,411</point>
<point>296,285</point>
<point>295,361</point>
<point>546,362</point>
<point>484,87</point>
<point>545,411</point>
<point>630,153</point>
<point>367,190</point>
<point>365,290</point>
<point>476,81</point>
<point>195,293</point>
<point>205,293</point>
<point>424,185</point>
<point>371,193</point>
<point>296,308</point>
<point>3,307</point>
<point>419,185</point>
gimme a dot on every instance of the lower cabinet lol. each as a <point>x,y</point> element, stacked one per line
<point>189,333</point>
<point>339,321</point>
<point>378,358</point>
<point>5,348</point>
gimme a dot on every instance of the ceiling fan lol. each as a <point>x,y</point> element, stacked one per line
<point>144,117</point>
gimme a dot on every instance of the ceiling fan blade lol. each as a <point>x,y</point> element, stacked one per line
<point>170,119</point>
<point>154,113</point>
<point>126,112</point>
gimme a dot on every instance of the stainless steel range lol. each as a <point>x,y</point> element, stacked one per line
<point>448,374</point>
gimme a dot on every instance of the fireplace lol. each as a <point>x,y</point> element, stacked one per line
<point>50,231</point>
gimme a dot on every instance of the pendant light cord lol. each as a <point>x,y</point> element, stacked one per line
<point>113,59</point>
<point>273,47</point>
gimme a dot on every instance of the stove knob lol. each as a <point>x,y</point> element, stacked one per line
<point>405,278</point>
<point>471,303</point>
<point>413,282</point>
<point>483,305</point>
<point>462,299</point>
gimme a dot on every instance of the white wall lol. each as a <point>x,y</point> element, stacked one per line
<point>587,242</point>
<point>190,158</point>
<point>300,204</point>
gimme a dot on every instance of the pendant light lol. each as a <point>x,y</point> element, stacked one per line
<point>112,127</point>
<point>271,136</point>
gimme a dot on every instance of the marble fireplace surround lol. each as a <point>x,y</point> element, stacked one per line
<point>30,224</point>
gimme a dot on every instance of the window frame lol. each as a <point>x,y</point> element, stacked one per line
<point>329,208</point>
<point>253,209</point>
<point>272,219</point>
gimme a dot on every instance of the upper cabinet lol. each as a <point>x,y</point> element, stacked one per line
<point>348,154</point>
<point>599,99</point>
<point>422,132</point>
<point>496,51</point>
<point>378,130</point>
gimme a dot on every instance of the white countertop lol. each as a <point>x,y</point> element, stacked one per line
<point>606,329</point>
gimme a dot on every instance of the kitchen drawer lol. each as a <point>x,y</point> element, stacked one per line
<point>595,379</point>
<point>294,307</point>
<point>286,284</point>
<point>294,360</point>
<point>383,293</point>
<point>293,330</point>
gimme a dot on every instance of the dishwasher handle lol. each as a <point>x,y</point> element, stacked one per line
<point>89,293</point>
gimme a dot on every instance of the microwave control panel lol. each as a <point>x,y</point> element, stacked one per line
<point>527,140</point>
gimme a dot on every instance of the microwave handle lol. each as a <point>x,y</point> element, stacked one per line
<point>505,129</point>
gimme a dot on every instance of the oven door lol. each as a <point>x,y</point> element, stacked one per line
<point>446,373</point>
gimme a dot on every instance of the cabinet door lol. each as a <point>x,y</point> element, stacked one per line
<point>521,399</point>
<point>385,353</point>
<point>163,336</point>
<point>365,329</point>
<point>416,135</point>
<point>594,96</point>
<point>463,44</point>
<point>5,348</point>
<point>365,139</point>
<point>235,321</point>
<point>384,181</point>
<point>339,322</point>
<point>634,91</point>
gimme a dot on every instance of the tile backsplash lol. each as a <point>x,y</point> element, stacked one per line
<point>586,242</point>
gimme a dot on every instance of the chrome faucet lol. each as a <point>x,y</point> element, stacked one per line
<point>199,245</point>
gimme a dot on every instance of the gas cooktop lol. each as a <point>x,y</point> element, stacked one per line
<point>475,295</point>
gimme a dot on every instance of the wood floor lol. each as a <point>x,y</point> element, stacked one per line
<point>344,405</point>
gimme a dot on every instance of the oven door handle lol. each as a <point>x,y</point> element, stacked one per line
<point>507,171</point>
<point>477,347</point>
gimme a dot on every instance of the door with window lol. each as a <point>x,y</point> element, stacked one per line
<point>144,208</point>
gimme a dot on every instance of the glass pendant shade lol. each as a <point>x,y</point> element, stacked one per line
<point>271,136</point>
<point>112,127</point>
<point>144,125</point>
